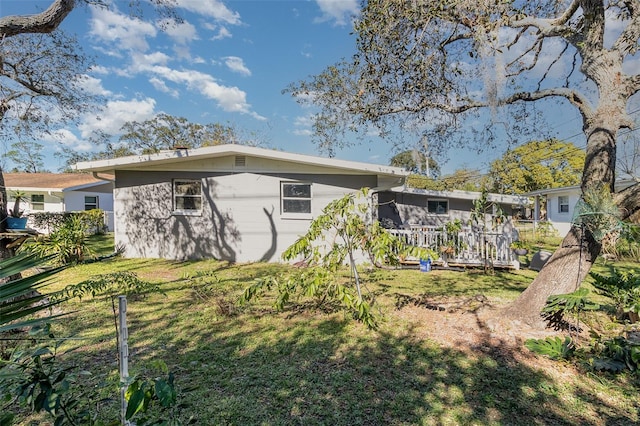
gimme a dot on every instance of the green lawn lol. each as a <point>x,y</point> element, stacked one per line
<point>249,366</point>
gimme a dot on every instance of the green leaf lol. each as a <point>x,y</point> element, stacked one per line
<point>135,403</point>
<point>552,347</point>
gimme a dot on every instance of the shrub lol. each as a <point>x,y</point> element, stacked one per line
<point>65,245</point>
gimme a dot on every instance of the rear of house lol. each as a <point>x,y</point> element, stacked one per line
<point>229,202</point>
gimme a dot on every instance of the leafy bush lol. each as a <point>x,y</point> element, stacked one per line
<point>65,245</point>
<point>49,221</point>
<point>623,288</point>
<point>615,354</point>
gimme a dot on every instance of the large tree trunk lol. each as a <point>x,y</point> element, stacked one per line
<point>563,273</point>
<point>571,262</point>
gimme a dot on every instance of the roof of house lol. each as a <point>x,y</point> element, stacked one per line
<point>620,184</point>
<point>49,181</point>
<point>188,155</point>
<point>466,195</point>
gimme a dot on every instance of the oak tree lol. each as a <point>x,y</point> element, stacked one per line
<point>438,63</point>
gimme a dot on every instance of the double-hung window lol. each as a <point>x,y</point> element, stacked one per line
<point>563,204</point>
<point>295,200</point>
<point>438,206</point>
<point>187,196</point>
<point>37,202</point>
<point>90,202</point>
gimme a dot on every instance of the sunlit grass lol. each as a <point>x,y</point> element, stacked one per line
<point>247,365</point>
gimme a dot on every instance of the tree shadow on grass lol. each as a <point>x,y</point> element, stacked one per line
<point>319,372</point>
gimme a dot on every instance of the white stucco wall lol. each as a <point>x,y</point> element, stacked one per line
<point>241,218</point>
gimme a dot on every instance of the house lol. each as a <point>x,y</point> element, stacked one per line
<point>61,192</point>
<point>559,204</point>
<point>403,207</point>
<point>229,202</point>
<point>425,218</point>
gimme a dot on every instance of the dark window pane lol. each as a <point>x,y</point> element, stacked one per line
<point>296,190</point>
<point>296,206</point>
<point>187,188</point>
<point>437,206</point>
<point>37,198</point>
<point>188,203</point>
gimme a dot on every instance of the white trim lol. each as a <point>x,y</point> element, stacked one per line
<point>294,215</point>
<point>164,157</point>
<point>186,212</point>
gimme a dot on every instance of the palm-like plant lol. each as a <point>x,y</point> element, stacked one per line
<point>18,298</point>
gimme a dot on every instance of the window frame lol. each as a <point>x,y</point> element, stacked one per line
<point>296,215</point>
<point>175,196</point>
<point>438,200</point>
<point>37,205</point>
<point>561,204</point>
<point>96,204</point>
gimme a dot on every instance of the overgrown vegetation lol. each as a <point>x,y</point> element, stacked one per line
<point>313,366</point>
<point>339,235</point>
<point>615,351</point>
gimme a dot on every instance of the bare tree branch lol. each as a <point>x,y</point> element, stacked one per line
<point>43,22</point>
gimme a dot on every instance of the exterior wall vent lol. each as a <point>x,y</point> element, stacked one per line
<point>241,161</point>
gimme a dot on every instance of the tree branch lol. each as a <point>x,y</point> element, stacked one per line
<point>628,200</point>
<point>550,27</point>
<point>44,22</point>
<point>627,42</point>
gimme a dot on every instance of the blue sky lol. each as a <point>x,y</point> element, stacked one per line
<point>225,63</point>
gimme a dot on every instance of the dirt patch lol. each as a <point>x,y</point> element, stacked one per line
<point>474,325</point>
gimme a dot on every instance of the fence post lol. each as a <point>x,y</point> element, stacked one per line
<point>123,351</point>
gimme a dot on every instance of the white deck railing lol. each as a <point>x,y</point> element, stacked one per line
<point>467,247</point>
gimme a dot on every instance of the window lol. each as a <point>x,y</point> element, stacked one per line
<point>438,206</point>
<point>37,202</point>
<point>187,196</point>
<point>90,202</point>
<point>295,198</point>
<point>563,204</point>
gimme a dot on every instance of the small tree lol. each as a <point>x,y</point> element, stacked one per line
<point>343,231</point>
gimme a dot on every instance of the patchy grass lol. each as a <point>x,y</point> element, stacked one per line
<point>242,365</point>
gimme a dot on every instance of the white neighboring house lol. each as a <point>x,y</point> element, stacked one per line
<point>561,203</point>
<point>61,192</point>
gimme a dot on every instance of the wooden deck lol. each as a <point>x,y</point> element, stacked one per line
<point>467,249</point>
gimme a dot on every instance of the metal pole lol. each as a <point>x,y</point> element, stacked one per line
<point>123,350</point>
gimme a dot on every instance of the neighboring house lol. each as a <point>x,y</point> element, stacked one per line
<point>560,203</point>
<point>229,202</point>
<point>61,192</point>
<point>406,207</point>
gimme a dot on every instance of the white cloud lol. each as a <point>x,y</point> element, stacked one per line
<point>236,64</point>
<point>340,11</point>
<point>120,30</point>
<point>69,139</point>
<point>162,87</point>
<point>230,99</point>
<point>115,114</point>
<point>223,33</point>
<point>180,32</point>
<point>93,86</point>
<point>211,8</point>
